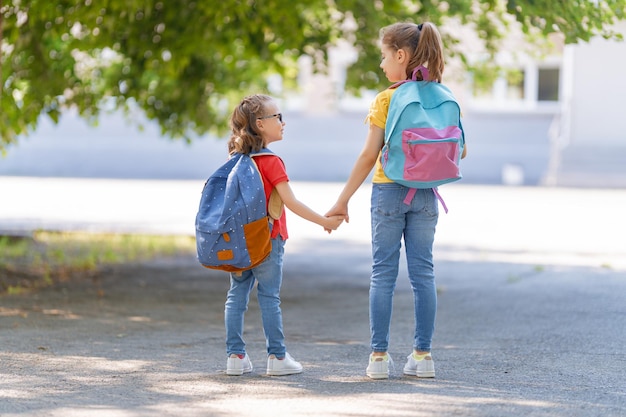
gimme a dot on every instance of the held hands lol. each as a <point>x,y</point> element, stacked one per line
<point>339,213</point>
<point>332,223</point>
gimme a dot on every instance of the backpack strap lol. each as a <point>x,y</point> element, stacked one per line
<point>443,203</point>
<point>275,205</point>
<point>411,193</point>
<point>422,69</point>
<point>409,196</point>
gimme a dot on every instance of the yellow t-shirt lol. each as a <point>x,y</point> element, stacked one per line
<point>378,117</point>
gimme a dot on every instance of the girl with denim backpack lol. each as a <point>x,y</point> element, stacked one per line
<point>257,122</point>
<point>404,48</point>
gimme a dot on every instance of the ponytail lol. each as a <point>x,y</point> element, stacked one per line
<point>423,44</point>
<point>429,51</point>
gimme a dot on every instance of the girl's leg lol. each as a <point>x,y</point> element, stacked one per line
<point>419,238</point>
<point>235,308</point>
<point>387,226</point>
<point>269,276</point>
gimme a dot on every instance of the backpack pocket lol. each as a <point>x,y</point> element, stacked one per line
<point>431,155</point>
<point>230,250</point>
<point>258,240</point>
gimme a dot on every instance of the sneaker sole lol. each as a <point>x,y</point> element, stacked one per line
<point>234,373</point>
<point>373,375</point>
<point>283,372</point>
<point>237,372</point>
<point>422,375</point>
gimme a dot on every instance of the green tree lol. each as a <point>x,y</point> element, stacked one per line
<point>185,63</point>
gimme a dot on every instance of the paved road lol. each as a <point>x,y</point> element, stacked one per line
<point>532,312</point>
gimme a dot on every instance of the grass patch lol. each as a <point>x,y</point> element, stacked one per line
<point>43,258</point>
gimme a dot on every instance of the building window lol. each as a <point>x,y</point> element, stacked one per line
<point>530,87</point>
<point>548,84</point>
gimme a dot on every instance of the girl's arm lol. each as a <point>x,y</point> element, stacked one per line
<point>362,167</point>
<point>302,210</point>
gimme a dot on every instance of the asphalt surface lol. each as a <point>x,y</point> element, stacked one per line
<point>531,318</point>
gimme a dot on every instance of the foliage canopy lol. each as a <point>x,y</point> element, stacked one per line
<point>185,63</point>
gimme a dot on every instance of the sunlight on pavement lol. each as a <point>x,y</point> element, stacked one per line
<point>493,223</point>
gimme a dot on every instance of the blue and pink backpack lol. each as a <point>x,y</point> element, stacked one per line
<point>424,138</point>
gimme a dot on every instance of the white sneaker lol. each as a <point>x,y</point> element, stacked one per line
<point>378,367</point>
<point>285,366</point>
<point>238,364</point>
<point>424,368</point>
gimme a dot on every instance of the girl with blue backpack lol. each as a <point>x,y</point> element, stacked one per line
<point>256,123</point>
<point>397,211</point>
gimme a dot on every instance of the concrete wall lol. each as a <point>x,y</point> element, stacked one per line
<point>597,107</point>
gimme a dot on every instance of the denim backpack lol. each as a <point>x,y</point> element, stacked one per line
<point>232,223</point>
<point>424,138</point>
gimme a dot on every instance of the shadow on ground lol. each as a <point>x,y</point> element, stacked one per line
<point>148,339</point>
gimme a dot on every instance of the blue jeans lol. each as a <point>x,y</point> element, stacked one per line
<point>269,276</point>
<point>393,220</point>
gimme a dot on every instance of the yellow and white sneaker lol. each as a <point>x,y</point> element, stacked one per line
<point>421,366</point>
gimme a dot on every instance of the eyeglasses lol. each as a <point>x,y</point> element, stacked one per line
<point>279,115</point>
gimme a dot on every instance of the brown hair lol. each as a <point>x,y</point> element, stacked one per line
<point>422,43</point>
<point>245,136</point>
